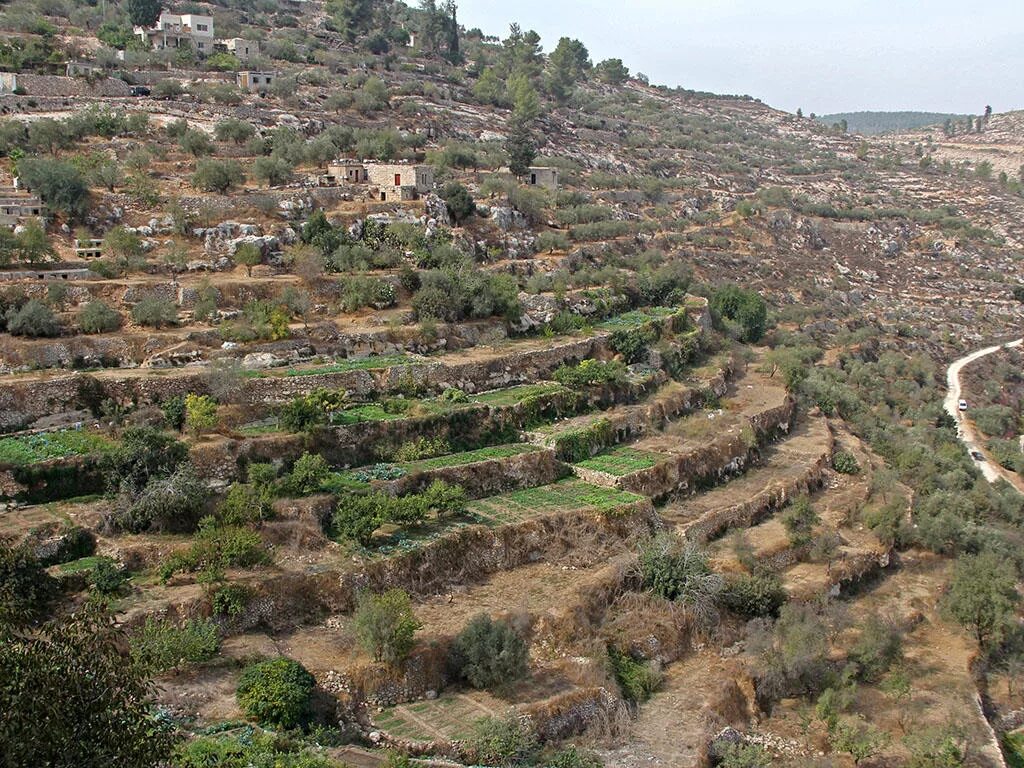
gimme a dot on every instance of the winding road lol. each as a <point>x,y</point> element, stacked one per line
<point>965,427</point>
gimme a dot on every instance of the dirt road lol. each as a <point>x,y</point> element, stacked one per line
<point>965,427</point>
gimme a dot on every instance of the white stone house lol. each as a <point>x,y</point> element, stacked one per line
<point>174,30</point>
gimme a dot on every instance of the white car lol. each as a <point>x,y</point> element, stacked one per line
<point>962,405</point>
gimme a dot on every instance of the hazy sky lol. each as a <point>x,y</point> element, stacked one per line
<point>840,56</point>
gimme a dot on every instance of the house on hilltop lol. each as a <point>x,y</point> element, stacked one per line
<point>174,30</point>
<point>400,181</point>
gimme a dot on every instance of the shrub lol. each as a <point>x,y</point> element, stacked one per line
<point>845,463</point>
<point>800,519</point>
<point>154,312</point>
<point>754,596</point>
<point>161,645</point>
<point>97,317</point>
<point>200,412</point>
<point>248,255</point>
<point>489,653</point>
<point>26,589</point>
<point>216,547</point>
<point>746,308</point>
<point>385,625</point>
<point>679,571</point>
<point>879,646</point>
<point>307,475</point>
<point>634,343</point>
<point>551,241</point>
<point>107,577</point>
<point>637,679</point>
<point>422,448</point>
<point>257,750</point>
<point>174,503</point>
<point>507,741</point>
<point>230,599</point>
<point>232,129</point>
<point>458,201</point>
<point>58,183</point>
<point>217,175</point>
<point>276,692</point>
<point>196,143</point>
<point>143,454</point>
<point>590,373</point>
<point>245,503</point>
<point>272,171</point>
<point>571,757</point>
<point>33,319</point>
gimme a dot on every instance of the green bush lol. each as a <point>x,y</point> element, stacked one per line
<point>845,463</point>
<point>97,317</point>
<point>422,448</point>
<point>217,547</point>
<point>232,129</point>
<point>358,515</point>
<point>677,570</point>
<point>637,679</point>
<point>509,742</point>
<point>746,308</point>
<point>878,647</point>
<point>754,596</point>
<point>217,175</point>
<point>230,599</point>
<point>276,692</point>
<point>154,312</point>
<point>174,503</point>
<point>634,343</point>
<point>58,183</point>
<point>26,589</point>
<point>307,475</point>
<point>196,143</point>
<point>459,201</point>
<point>33,319</point>
<point>245,503</point>
<point>161,645</point>
<point>589,373</point>
<point>143,454</point>
<point>489,653</point>
<point>799,520</point>
<point>258,750</point>
<point>107,577</point>
<point>571,757</point>
<point>385,625</point>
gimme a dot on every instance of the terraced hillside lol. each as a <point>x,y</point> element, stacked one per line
<point>374,392</point>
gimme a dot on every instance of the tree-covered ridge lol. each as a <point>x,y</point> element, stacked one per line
<point>876,123</point>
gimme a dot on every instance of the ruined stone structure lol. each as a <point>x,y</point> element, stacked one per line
<point>344,172</point>
<point>255,82</point>
<point>540,176</point>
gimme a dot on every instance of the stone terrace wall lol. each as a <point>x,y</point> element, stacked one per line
<point>22,402</point>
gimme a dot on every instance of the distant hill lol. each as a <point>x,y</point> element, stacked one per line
<point>875,123</point>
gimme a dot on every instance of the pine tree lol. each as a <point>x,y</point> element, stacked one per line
<point>144,13</point>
